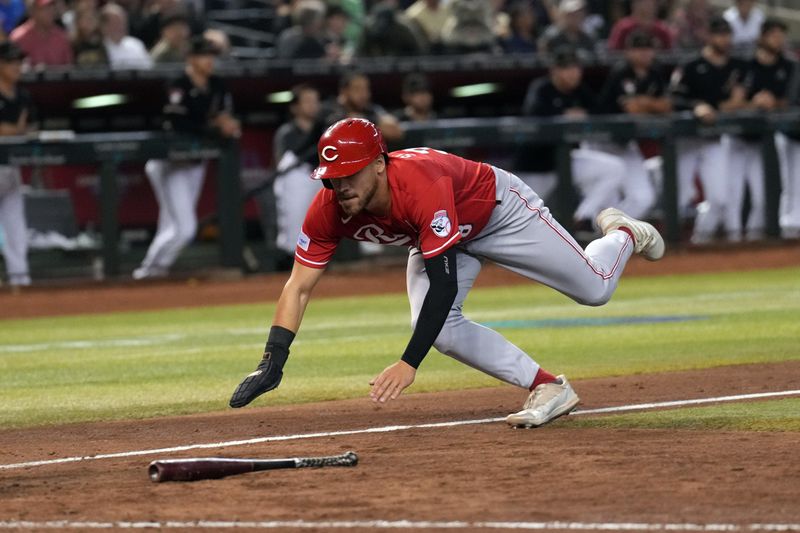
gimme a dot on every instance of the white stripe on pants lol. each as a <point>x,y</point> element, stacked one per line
<point>12,220</point>
<point>521,236</point>
<point>177,188</point>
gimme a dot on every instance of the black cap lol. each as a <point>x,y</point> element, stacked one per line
<point>719,25</point>
<point>640,39</point>
<point>773,24</point>
<point>415,83</point>
<point>11,52</point>
<point>565,56</point>
<point>203,47</point>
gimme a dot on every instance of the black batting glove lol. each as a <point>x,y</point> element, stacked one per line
<point>268,374</point>
<point>266,377</point>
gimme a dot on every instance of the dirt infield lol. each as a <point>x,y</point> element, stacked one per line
<point>476,472</point>
<point>471,472</point>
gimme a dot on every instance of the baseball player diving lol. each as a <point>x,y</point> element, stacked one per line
<point>453,214</point>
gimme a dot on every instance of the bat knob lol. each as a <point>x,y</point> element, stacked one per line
<point>352,458</point>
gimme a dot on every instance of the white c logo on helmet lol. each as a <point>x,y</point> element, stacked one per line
<point>327,157</point>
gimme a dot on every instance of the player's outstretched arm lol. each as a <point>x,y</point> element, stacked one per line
<point>288,315</point>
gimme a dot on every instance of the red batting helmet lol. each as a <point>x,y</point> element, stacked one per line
<point>347,147</point>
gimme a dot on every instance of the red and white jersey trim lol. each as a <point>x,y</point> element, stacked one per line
<point>455,236</point>
<point>316,264</point>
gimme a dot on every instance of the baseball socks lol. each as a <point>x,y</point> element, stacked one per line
<point>542,377</point>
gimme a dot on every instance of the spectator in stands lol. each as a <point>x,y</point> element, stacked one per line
<point>42,40</point>
<point>197,103</point>
<point>389,33</point>
<point>338,48</point>
<point>767,85</point>
<point>690,23</point>
<point>745,19</point>
<point>637,88</point>
<point>470,28</point>
<point>294,151</point>
<point>15,111</point>
<point>418,100</point>
<point>596,175</point>
<point>644,16</point>
<point>430,17</point>
<point>355,100</point>
<point>522,39</point>
<point>124,51</point>
<point>87,41</point>
<point>173,46</point>
<point>303,39</point>
<point>11,12</point>
<point>568,31</point>
<point>149,26</point>
<point>712,83</point>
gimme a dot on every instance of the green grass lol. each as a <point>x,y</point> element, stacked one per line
<point>137,365</point>
<point>776,415</point>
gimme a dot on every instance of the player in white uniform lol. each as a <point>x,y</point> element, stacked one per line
<point>15,108</point>
<point>293,190</point>
<point>198,103</point>
<point>708,85</point>
<point>454,214</point>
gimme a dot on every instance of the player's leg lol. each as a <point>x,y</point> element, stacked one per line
<point>713,172</point>
<point>638,193</point>
<point>688,151</point>
<point>754,178</point>
<point>488,351</point>
<point>598,176</point>
<point>182,189</point>
<point>153,264</point>
<point>790,195</point>
<point>462,339</point>
<point>294,192</point>
<point>729,194</point>
<point>523,236</point>
<point>15,231</point>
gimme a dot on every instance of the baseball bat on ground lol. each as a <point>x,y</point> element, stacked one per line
<point>217,467</point>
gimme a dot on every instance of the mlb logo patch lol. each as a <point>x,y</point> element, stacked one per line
<point>441,224</point>
<point>303,241</point>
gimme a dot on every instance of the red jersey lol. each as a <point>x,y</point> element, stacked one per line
<point>438,199</point>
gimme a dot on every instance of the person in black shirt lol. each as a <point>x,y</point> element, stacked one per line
<point>708,85</point>
<point>596,175</point>
<point>199,104</point>
<point>15,111</point>
<point>418,100</point>
<point>636,87</point>
<point>766,83</point>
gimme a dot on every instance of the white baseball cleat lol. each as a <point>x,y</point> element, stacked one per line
<point>546,402</point>
<point>647,239</point>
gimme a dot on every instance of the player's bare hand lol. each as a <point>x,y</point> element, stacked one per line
<point>705,113</point>
<point>390,383</point>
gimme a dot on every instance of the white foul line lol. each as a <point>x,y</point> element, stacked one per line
<point>386,429</point>
<point>398,524</point>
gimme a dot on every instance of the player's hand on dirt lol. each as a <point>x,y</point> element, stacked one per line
<point>390,383</point>
<point>266,377</point>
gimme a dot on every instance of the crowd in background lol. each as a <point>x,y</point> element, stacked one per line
<point>740,63</point>
<point>138,33</point>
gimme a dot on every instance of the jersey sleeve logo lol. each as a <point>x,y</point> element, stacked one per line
<point>303,241</point>
<point>441,223</point>
<point>326,156</point>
